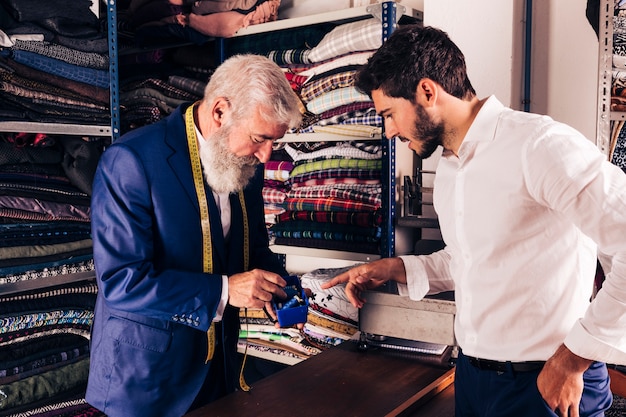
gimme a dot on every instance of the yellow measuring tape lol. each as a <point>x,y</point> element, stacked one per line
<point>207,248</point>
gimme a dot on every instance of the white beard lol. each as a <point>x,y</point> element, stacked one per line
<point>223,171</point>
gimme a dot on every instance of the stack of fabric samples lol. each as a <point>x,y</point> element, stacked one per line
<point>54,64</point>
<point>45,242</point>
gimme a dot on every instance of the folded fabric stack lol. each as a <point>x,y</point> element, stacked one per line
<point>45,187</point>
<point>618,90</point>
<point>54,64</point>
<point>334,199</point>
<point>44,351</point>
<point>334,196</point>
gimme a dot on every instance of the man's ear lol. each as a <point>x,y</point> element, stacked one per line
<point>219,110</point>
<point>426,93</point>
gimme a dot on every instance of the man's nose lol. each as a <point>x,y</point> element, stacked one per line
<point>264,151</point>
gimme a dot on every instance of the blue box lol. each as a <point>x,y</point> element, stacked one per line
<point>286,313</point>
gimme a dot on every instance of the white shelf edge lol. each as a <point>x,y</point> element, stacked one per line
<point>337,15</point>
<point>55,128</point>
<point>323,253</point>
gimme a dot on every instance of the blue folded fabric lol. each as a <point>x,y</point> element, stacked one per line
<point>91,76</point>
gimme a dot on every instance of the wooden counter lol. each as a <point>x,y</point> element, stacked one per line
<point>342,381</point>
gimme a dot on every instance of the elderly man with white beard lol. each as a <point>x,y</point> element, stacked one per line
<point>180,244</point>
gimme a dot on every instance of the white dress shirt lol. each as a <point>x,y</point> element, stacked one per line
<point>520,209</point>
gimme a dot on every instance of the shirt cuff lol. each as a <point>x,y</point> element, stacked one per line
<point>417,284</point>
<point>583,344</point>
<point>224,299</point>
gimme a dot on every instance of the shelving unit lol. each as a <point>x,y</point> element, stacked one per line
<point>388,13</point>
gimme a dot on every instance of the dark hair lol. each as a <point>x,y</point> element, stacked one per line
<point>410,54</point>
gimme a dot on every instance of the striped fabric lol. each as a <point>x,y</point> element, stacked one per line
<point>350,37</point>
<point>336,163</point>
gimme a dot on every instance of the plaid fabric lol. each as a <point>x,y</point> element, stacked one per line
<point>276,174</point>
<point>296,81</point>
<point>65,54</point>
<point>344,194</point>
<point>331,181</point>
<point>340,150</point>
<point>368,117</point>
<point>350,130</point>
<point>189,85</point>
<point>327,204</point>
<point>279,165</point>
<point>336,98</point>
<point>273,196</point>
<point>336,163</point>
<point>363,35</point>
<point>290,56</point>
<point>346,109</point>
<point>357,218</point>
<point>325,84</point>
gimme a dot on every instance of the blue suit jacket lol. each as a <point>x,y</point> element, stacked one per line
<point>155,304</point>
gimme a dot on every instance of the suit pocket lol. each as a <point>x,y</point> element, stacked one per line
<point>139,335</point>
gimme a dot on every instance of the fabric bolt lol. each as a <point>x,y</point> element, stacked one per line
<point>43,331</point>
<point>51,361</point>
<point>190,85</point>
<point>336,98</point>
<point>354,130</point>
<point>328,231</point>
<point>78,11</point>
<point>21,322</point>
<point>290,56</point>
<point>98,78</point>
<point>51,209</point>
<point>345,194</point>
<point>273,196</point>
<point>163,102</point>
<point>357,36</point>
<point>307,181</point>
<point>367,117</point>
<point>65,408</point>
<point>38,387</point>
<point>316,88</point>
<point>65,54</point>
<point>335,163</point>
<point>37,269</point>
<point>43,97</point>
<point>350,149</point>
<point>327,204</point>
<point>33,251</point>
<point>51,90</point>
<point>23,234</point>
<point>355,58</point>
<point>362,218</point>
<point>98,94</point>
